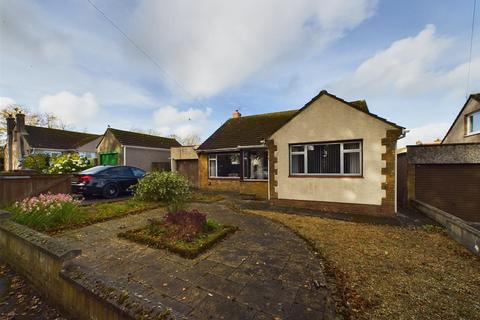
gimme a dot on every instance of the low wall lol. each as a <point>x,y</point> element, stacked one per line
<point>49,266</point>
<point>444,153</point>
<point>456,227</point>
<point>18,186</point>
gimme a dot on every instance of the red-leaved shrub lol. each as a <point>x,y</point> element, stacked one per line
<point>185,225</point>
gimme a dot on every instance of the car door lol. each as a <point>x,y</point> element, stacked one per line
<point>123,176</point>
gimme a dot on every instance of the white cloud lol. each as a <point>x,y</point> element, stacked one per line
<point>70,108</point>
<point>6,101</point>
<point>193,121</point>
<point>426,134</point>
<point>214,44</point>
<point>410,66</point>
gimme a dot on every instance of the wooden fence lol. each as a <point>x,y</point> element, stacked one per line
<point>18,186</point>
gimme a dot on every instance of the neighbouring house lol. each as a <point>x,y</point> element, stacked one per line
<point>184,160</point>
<point>466,127</point>
<point>330,155</point>
<point>23,140</point>
<point>446,176</point>
<point>144,151</point>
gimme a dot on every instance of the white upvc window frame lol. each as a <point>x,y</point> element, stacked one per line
<point>213,158</point>
<point>243,165</point>
<point>342,152</point>
<point>470,121</point>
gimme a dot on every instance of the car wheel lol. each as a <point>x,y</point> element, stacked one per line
<point>110,191</point>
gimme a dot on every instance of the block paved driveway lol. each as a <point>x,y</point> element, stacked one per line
<point>263,271</point>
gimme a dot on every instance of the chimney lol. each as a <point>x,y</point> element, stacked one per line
<point>10,124</point>
<point>21,123</point>
<point>236,114</point>
<point>10,127</point>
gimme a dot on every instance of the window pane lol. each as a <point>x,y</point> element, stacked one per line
<point>351,162</point>
<point>298,163</point>
<point>255,164</point>
<point>314,155</point>
<point>212,168</point>
<point>330,158</point>
<point>138,172</point>
<point>297,149</point>
<point>228,165</point>
<point>351,145</point>
<point>475,122</point>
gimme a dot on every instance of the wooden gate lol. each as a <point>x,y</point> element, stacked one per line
<point>109,158</point>
<point>454,188</point>
<point>189,169</point>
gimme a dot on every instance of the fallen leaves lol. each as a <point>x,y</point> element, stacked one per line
<point>391,272</point>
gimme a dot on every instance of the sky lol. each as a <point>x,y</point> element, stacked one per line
<point>183,66</point>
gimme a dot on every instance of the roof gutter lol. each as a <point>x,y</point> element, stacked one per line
<point>147,148</point>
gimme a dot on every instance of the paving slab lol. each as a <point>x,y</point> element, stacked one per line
<point>262,271</point>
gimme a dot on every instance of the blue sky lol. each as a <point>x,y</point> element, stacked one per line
<point>408,59</point>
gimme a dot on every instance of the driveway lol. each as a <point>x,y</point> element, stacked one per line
<point>263,271</point>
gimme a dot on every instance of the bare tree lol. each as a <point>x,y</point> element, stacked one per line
<point>189,140</point>
<point>31,118</point>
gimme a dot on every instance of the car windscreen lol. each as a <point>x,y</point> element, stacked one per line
<point>95,170</point>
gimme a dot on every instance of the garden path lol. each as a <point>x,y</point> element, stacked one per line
<point>263,271</point>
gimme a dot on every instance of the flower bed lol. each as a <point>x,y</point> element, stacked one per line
<point>187,233</point>
<point>52,213</point>
<point>46,211</point>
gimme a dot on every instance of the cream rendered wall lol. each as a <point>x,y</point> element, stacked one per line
<point>328,119</point>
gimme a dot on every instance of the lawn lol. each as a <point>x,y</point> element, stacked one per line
<point>84,215</point>
<point>391,272</point>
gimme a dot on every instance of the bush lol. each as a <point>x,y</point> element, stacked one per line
<point>68,163</point>
<point>46,211</point>
<point>169,187</point>
<point>37,161</point>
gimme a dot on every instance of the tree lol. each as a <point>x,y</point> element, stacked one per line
<point>47,120</point>
<point>188,140</point>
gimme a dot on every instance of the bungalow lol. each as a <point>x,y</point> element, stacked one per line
<point>329,155</point>
<point>23,140</point>
<point>140,150</point>
<point>466,127</point>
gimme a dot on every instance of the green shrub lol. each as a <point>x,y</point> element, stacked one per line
<point>46,211</point>
<point>37,161</point>
<point>169,187</point>
<point>211,225</point>
<point>68,163</point>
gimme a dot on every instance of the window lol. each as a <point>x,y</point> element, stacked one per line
<point>224,165</point>
<point>137,172</point>
<point>120,172</point>
<point>255,165</point>
<point>473,123</point>
<point>326,159</point>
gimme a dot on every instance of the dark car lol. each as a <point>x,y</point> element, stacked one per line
<point>106,181</point>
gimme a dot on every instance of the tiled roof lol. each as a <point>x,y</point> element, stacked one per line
<point>48,138</point>
<point>130,138</point>
<point>247,131</point>
<point>250,130</point>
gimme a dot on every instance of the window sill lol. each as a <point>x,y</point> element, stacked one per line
<point>323,176</point>
<point>255,180</point>
<point>472,134</point>
<point>223,178</point>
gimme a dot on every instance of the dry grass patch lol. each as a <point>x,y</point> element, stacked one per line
<point>391,272</point>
